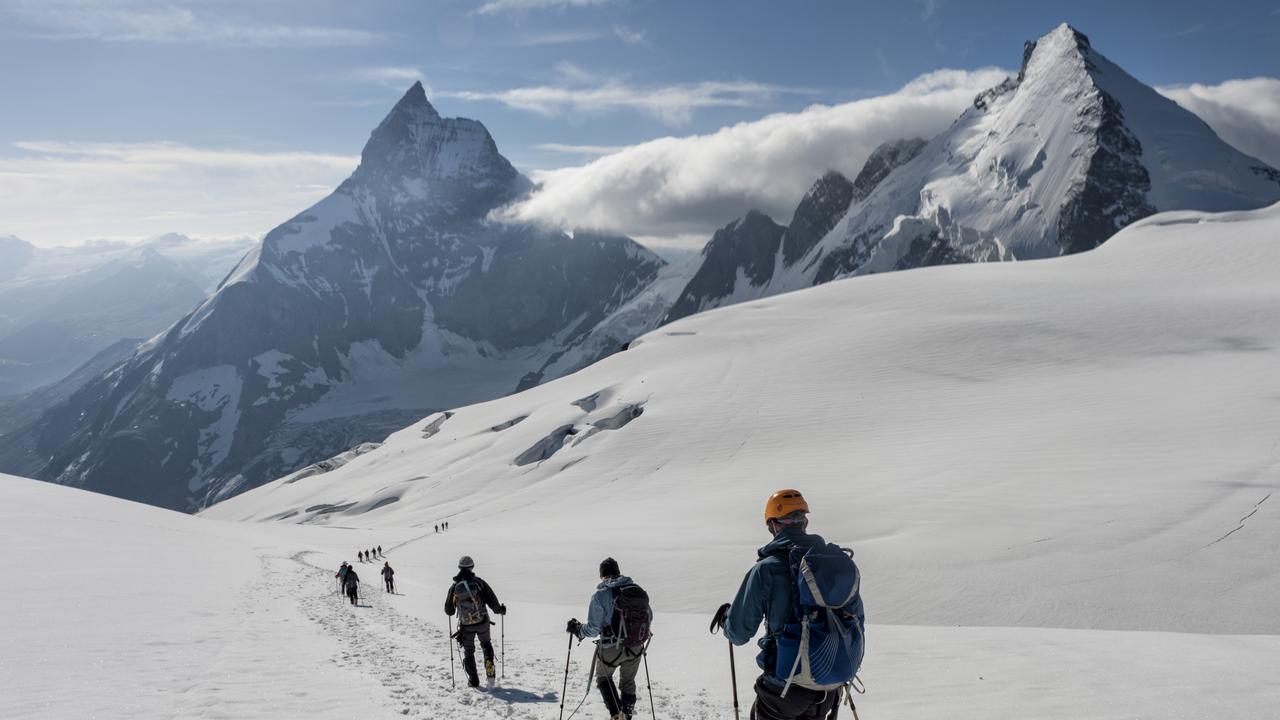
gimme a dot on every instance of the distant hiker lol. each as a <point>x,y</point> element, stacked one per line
<point>806,591</point>
<point>468,597</point>
<point>351,585</point>
<point>621,616</point>
<point>437,528</point>
<point>387,573</point>
<point>380,551</point>
<point>341,575</point>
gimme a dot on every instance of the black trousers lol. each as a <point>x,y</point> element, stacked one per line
<point>467,635</point>
<point>391,586</point>
<point>799,704</point>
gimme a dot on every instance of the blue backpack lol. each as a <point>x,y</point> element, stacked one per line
<point>821,648</point>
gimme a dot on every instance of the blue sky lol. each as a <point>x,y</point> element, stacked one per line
<point>292,88</point>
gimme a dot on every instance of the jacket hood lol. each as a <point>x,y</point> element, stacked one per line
<point>464,574</point>
<point>615,582</point>
<point>784,541</point>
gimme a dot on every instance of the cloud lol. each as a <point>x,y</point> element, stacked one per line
<point>170,23</point>
<point>564,37</point>
<point>630,37</point>
<point>672,104</point>
<point>692,185</point>
<point>1245,113</point>
<point>1190,31</point>
<point>580,149</point>
<point>494,7</point>
<point>61,192</point>
<point>395,78</point>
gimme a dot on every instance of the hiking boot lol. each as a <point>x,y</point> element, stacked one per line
<point>488,669</point>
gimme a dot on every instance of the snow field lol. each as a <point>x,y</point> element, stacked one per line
<point>1058,478</point>
<point>222,620</point>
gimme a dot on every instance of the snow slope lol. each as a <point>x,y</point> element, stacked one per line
<point>132,611</point>
<point>1065,443</point>
<point>1057,476</point>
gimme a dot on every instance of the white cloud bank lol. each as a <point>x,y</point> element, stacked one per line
<point>59,193</point>
<point>149,21</point>
<point>1245,113</point>
<point>494,7</point>
<point>691,185</point>
<point>672,104</point>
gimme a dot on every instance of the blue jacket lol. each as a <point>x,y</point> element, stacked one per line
<point>600,613</point>
<point>767,593</point>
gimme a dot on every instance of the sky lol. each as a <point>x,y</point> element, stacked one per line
<point>223,118</point>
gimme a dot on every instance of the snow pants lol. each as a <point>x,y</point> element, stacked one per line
<point>391,586</point>
<point>467,635</point>
<point>625,660</point>
<point>799,704</point>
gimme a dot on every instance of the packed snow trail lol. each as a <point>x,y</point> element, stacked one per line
<point>409,656</point>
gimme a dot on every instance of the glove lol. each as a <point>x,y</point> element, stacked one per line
<point>502,609</point>
<point>573,627</point>
<point>717,622</point>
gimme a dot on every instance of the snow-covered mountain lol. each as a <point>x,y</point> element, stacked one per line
<point>388,299</point>
<point>740,260</point>
<point>1060,443</point>
<point>395,296</point>
<point>1061,469</point>
<point>1051,162</point>
<point>61,306</point>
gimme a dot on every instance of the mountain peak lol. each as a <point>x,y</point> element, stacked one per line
<point>411,118</point>
<point>415,154</point>
<point>1063,43</point>
<point>415,98</point>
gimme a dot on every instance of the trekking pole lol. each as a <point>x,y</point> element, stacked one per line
<point>452,683</point>
<point>718,623</point>
<point>733,674</point>
<point>648,682</point>
<point>502,634</point>
<point>565,689</point>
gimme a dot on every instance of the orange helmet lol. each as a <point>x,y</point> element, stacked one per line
<point>783,503</point>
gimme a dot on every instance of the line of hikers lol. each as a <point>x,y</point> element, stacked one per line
<point>349,581</point>
<point>371,554</point>
<point>805,590</point>
<point>442,526</point>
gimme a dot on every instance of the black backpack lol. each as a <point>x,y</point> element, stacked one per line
<point>630,622</point>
